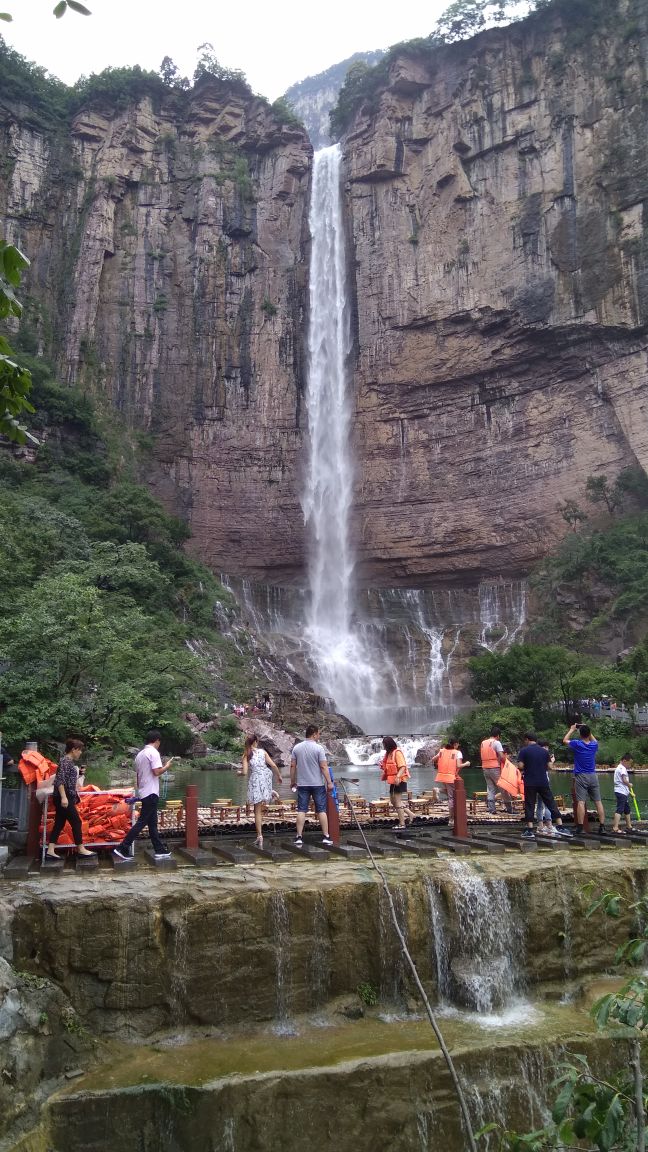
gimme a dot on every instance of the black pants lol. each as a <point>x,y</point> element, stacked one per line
<point>531,793</point>
<point>147,819</point>
<point>62,815</point>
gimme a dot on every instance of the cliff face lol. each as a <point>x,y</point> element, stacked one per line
<point>312,99</point>
<point>499,250</point>
<point>168,273</point>
<point>496,195</point>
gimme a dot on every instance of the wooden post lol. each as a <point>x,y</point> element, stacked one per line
<point>33,822</point>
<point>460,812</point>
<point>333,817</point>
<point>191,816</point>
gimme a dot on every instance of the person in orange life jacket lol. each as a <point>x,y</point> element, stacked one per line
<point>492,759</point>
<point>395,771</point>
<point>510,780</point>
<point>586,784</point>
<point>534,762</point>
<point>66,798</point>
<point>449,762</point>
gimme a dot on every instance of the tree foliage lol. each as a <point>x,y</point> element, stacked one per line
<point>97,599</point>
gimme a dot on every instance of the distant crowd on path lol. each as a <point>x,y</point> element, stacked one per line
<point>529,779</point>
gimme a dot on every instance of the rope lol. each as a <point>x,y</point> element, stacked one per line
<point>406,953</point>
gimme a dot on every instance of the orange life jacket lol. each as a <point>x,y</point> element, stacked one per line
<point>34,767</point>
<point>511,779</point>
<point>488,754</point>
<point>447,766</point>
<point>394,765</point>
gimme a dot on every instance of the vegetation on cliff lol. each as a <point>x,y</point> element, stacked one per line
<point>462,20</point>
<point>100,609</point>
<point>591,594</point>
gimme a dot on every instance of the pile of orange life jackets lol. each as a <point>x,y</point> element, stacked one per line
<point>105,818</point>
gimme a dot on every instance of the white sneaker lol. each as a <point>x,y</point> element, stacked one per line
<point>162,856</point>
<point>327,842</point>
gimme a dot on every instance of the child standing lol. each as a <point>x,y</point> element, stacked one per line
<point>622,795</point>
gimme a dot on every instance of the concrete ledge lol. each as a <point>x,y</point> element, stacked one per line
<point>86,863</point>
<point>52,866</point>
<point>198,856</point>
<point>167,863</point>
<point>18,868</point>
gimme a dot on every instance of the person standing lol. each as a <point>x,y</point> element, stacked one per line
<point>66,798</point>
<point>542,813</point>
<point>492,760</point>
<point>149,768</point>
<point>534,765</point>
<point>622,795</point>
<point>394,770</point>
<point>309,773</point>
<point>258,767</point>
<point>586,784</point>
<point>449,762</point>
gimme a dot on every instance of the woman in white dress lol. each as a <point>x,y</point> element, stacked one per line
<point>258,767</point>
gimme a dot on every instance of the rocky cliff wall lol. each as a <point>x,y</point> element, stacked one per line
<point>167,237</point>
<point>498,247</point>
<point>496,192</point>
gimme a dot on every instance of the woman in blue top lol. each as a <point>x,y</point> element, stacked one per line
<point>586,785</point>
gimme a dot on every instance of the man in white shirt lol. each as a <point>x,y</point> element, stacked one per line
<point>149,767</point>
<point>622,794</point>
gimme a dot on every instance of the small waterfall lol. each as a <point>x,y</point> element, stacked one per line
<point>486,946</point>
<point>281,939</point>
<point>439,941</point>
<point>320,959</point>
<point>566,905</point>
<point>502,613</point>
<point>180,964</point>
<point>392,984</point>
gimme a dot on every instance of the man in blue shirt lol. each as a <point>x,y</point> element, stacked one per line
<point>534,762</point>
<point>586,784</point>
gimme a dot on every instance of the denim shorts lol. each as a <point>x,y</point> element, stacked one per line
<point>622,804</point>
<point>319,798</point>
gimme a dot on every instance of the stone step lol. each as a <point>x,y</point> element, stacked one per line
<point>390,850</point>
<point>272,852</point>
<point>233,854</point>
<point>85,863</point>
<point>515,841</point>
<point>418,847</point>
<point>308,851</point>
<point>348,850</point>
<point>52,866</point>
<point>18,867</point>
<point>200,857</point>
<point>123,865</point>
<point>166,864</point>
<point>496,847</point>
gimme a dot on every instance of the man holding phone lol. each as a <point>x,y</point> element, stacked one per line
<point>149,767</point>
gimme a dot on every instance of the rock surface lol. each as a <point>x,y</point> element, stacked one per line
<point>496,195</point>
<point>496,191</point>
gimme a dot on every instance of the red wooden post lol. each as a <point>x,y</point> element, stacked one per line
<point>333,818</point>
<point>460,812</point>
<point>34,817</point>
<point>191,816</point>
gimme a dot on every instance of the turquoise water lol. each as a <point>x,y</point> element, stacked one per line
<point>226,784</point>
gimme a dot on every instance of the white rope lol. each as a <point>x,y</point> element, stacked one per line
<point>406,952</point>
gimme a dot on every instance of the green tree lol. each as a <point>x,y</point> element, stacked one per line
<point>600,491</point>
<point>572,514</point>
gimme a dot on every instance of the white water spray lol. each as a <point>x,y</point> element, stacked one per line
<point>344,669</point>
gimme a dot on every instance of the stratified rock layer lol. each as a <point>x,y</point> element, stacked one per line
<point>168,273</point>
<point>496,193</point>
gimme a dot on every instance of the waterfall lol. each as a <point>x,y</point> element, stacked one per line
<point>281,940</point>
<point>478,941</point>
<point>343,667</point>
<point>502,613</point>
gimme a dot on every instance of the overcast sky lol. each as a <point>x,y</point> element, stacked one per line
<point>275,42</point>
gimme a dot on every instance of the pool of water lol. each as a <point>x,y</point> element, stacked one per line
<point>225,784</point>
